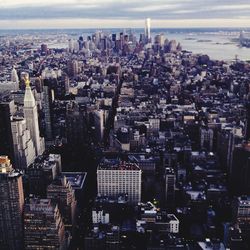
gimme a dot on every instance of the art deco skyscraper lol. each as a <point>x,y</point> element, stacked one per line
<point>147,29</point>
<point>11,206</point>
<point>31,116</point>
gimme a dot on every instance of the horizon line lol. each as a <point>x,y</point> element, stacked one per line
<point>134,28</point>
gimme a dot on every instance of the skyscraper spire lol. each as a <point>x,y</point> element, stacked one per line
<point>29,100</point>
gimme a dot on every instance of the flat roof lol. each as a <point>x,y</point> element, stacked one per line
<point>76,179</point>
<point>120,166</point>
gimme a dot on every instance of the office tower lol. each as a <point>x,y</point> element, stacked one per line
<point>71,45</point>
<point>50,84</point>
<point>159,40</point>
<point>31,116</point>
<point>43,225</point>
<point>72,67</point>
<point>44,49</point>
<point>7,108</point>
<point>206,138</point>
<point>240,169</point>
<point>24,149</point>
<point>61,192</point>
<point>113,37</point>
<point>39,84</point>
<point>11,206</point>
<point>42,172</point>
<point>226,140</point>
<point>80,41</point>
<point>172,46</point>
<point>47,113</point>
<point>76,128</point>
<point>119,179</point>
<point>100,119</point>
<point>170,187</point>
<point>103,43</point>
<point>14,76</point>
<point>147,29</point>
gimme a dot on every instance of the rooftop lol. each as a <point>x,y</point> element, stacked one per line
<point>76,179</point>
<point>122,166</point>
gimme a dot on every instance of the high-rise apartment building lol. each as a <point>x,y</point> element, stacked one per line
<point>11,206</point>
<point>114,180</point>
<point>31,116</point>
<point>43,225</point>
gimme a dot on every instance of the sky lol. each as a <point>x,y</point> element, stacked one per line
<point>29,14</point>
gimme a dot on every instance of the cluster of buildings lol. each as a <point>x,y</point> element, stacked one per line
<point>122,141</point>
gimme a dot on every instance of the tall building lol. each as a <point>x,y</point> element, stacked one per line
<point>73,68</point>
<point>100,118</point>
<point>41,173</point>
<point>170,187</point>
<point>50,84</point>
<point>31,116</point>
<point>207,138</point>
<point>114,180</point>
<point>14,76</point>
<point>240,170</point>
<point>43,225</point>
<point>147,29</point>
<point>76,126</point>
<point>7,108</point>
<point>11,206</point>
<point>44,49</point>
<point>61,192</point>
<point>24,149</point>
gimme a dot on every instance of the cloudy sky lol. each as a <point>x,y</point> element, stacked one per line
<point>123,13</point>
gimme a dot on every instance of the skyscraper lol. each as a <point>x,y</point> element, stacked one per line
<point>11,206</point>
<point>73,68</point>
<point>14,76</point>
<point>43,226</point>
<point>147,29</point>
<point>61,192</point>
<point>76,126</point>
<point>7,108</point>
<point>24,150</point>
<point>170,187</point>
<point>31,116</point>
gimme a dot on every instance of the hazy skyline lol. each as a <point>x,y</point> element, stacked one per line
<point>124,13</point>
